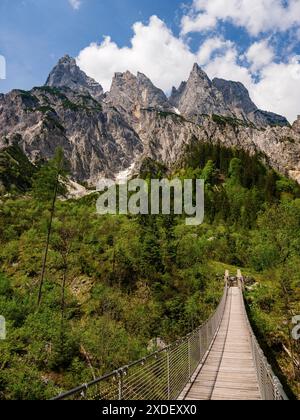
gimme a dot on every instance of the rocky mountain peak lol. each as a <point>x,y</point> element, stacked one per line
<point>235,95</point>
<point>109,137</point>
<point>143,78</point>
<point>237,98</point>
<point>197,73</point>
<point>132,92</point>
<point>67,74</point>
<point>198,96</point>
<point>66,59</point>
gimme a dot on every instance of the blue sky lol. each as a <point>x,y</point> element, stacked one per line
<point>34,34</point>
<point>255,42</point>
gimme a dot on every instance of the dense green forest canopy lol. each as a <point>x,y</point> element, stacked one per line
<point>114,283</point>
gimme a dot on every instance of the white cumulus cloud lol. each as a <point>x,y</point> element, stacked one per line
<point>167,60</point>
<point>75,4</point>
<point>257,16</point>
<point>226,67</point>
<point>212,46</point>
<point>260,54</point>
<point>154,51</point>
<point>278,87</point>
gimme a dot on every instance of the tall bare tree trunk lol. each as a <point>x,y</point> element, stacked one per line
<point>42,279</point>
<point>63,304</point>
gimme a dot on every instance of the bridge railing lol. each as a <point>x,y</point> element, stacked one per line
<point>270,386</point>
<point>160,376</point>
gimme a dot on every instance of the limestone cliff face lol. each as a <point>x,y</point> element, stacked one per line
<point>103,135</point>
<point>198,97</point>
<point>131,94</point>
<point>67,74</point>
<point>166,138</point>
<point>95,137</point>
<point>296,125</point>
<point>235,95</point>
<point>237,98</point>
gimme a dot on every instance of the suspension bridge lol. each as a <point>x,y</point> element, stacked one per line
<point>221,360</point>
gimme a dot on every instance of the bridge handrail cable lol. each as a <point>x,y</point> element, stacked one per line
<point>270,387</point>
<point>165,374</point>
<point>162,375</point>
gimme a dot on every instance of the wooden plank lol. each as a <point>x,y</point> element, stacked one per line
<point>229,372</point>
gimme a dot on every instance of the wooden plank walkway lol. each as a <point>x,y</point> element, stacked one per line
<point>228,373</point>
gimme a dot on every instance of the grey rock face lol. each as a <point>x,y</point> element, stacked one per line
<point>296,125</point>
<point>67,74</point>
<point>132,93</point>
<point>265,119</point>
<point>96,139</point>
<point>177,94</point>
<point>135,120</point>
<point>237,98</point>
<point>198,97</point>
<point>235,95</point>
<point>166,138</point>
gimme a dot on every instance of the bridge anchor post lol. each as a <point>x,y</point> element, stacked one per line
<point>190,360</point>
<point>168,375</point>
<point>120,385</point>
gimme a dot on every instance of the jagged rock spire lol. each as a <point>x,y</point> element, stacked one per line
<point>132,92</point>
<point>67,74</point>
<point>198,96</point>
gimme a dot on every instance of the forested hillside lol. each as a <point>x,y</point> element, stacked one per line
<point>112,284</point>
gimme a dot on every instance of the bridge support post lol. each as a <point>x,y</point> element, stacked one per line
<point>190,359</point>
<point>240,279</point>
<point>169,375</point>
<point>226,277</point>
<point>120,386</point>
<point>200,346</point>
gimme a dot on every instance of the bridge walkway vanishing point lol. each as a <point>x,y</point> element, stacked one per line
<point>229,371</point>
<point>220,360</point>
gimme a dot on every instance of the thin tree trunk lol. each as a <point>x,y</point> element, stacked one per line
<point>87,357</point>
<point>47,243</point>
<point>63,301</point>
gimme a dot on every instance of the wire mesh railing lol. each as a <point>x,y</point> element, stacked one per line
<point>270,387</point>
<point>161,376</point>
